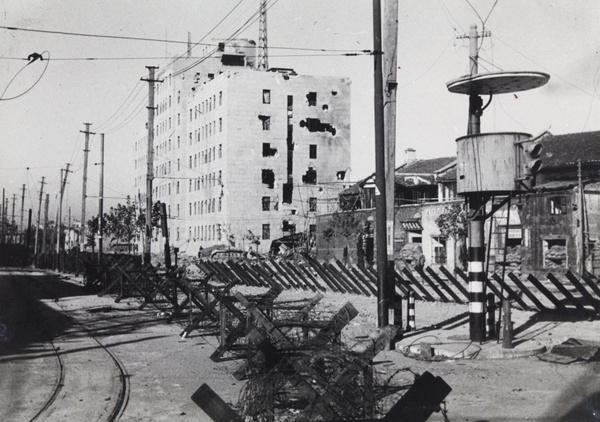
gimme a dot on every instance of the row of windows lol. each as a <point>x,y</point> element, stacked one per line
<point>206,181</point>
<point>207,206</point>
<point>206,106</point>
<point>267,203</point>
<point>267,151</point>
<point>208,232</point>
<point>206,131</point>
<point>206,156</point>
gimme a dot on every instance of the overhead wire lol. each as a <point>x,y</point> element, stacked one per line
<point>138,86</point>
<point>40,57</point>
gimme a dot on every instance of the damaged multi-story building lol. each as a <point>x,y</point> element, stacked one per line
<point>243,155</point>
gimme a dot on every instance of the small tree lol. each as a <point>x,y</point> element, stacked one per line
<point>92,231</point>
<point>453,224</point>
<point>123,224</point>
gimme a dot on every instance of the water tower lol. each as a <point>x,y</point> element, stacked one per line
<point>490,164</point>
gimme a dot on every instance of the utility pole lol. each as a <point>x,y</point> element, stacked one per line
<point>12,220</point>
<point>380,188</point>
<point>84,188</point>
<point>45,236</point>
<point>581,263</point>
<point>150,163</point>
<point>3,216</point>
<point>63,176</point>
<point>390,69</point>
<point>37,231</point>
<point>22,211</point>
<point>101,199</point>
<point>476,205</point>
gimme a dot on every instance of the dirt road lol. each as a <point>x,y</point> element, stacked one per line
<point>66,356</point>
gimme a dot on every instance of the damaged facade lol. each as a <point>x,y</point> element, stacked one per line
<point>424,189</point>
<point>553,228</point>
<point>234,160</point>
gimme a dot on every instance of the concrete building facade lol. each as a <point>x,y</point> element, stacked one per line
<point>244,156</point>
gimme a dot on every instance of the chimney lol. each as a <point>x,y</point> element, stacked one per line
<point>410,155</point>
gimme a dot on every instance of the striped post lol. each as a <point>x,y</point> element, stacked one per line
<point>491,311</point>
<point>476,279</point>
<point>410,316</point>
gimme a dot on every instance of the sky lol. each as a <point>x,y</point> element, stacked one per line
<point>45,103</point>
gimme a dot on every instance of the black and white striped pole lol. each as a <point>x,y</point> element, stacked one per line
<point>476,269</point>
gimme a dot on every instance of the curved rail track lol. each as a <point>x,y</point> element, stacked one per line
<point>82,361</point>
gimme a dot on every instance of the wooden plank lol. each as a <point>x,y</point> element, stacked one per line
<point>361,283</point>
<point>538,285</point>
<point>350,286</point>
<point>311,277</point>
<point>455,282</point>
<point>365,279</point>
<point>581,289</point>
<point>437,290</point>
<point>570,298</point>
<point>307,282</point>
<point>494,289</point>
<point>328,333</point>
<point>511,293</point>
<point>214,406</point>
<point>415,282</point>
<point>332,285</point>
<point>278,270</point>
<point>404,286</point>
<point>445,286</point>
<point>591,284</point>
<point>527,292</point>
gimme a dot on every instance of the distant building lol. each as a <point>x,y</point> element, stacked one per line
<point>424,189</point>
<point>244,156</point>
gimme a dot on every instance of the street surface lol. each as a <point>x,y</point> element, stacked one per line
<point>66,356</point>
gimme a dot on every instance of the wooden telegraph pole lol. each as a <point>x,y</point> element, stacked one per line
<point>380,182</point>
<point>150,163</point>
<point>101,199</point>
<point>37,231</point>
<point>390,69</point>
<point>86,150</point>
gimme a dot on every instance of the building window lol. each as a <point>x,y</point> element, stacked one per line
<point>266,203</point>
<point>220,98</point>
<point>266,122</point>
<point>268,178</point>
<point>558,205</point>
<point>267,151</point>
<point>312,204</point>
<point>310,177</point>
<point>266,231</point>
<point>312,151</point>
<point>220,150</point>
<point>312,98</point>
<point>266,96</point>
<point>438,245</point>
<point>220,124</point>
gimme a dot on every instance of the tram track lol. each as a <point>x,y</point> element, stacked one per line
<point>83,361</point>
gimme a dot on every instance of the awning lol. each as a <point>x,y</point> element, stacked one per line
<point>411,226</point>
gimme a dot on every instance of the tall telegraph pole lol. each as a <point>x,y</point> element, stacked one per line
<point>380,189</point>
<point>37,231</point>
<point>84,188</point>
<point>390,69</point>
<point>22,211</point>
<point>101,199</point>
<point>150,163</point>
